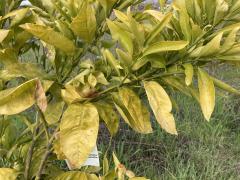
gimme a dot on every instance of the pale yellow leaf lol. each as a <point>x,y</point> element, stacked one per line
<point>78,132</point>
<point>207,93</point>
<point>161,106</point>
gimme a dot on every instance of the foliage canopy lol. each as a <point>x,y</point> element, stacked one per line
<point>74,63</point>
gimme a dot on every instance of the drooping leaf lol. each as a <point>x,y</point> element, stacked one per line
<point>207,93</point>
<point>132,110</point>
<point>165,46</point>
<point>78,130</point>
<point>50,36</point>
<point>161,106</point>
<point>189,73</point>
<point>41,99</point>
<point>109,116</point>
<point>84,24</point>
<point>8,174</point>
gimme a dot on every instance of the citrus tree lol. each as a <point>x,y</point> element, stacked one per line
<point>68,65</point>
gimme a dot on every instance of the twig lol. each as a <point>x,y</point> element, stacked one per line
<point>48,150</point>
<point>30,151</point>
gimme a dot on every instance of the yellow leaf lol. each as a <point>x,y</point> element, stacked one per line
<point>76,175</point>
<point>159,27</point>
<point>8,174</point>
<point>53,111</point>
<point>121,35</point>
<point>132,110</point>
<point>210,49</point>
<point>164,46</point>
<point>161,106</point>
<point>18,99</point>
<point>207,93</point>
<point>84,24</point>
<point>50,36</point>
<point>189,73</point>
<point>3,34</point>
<point>78,132</point>
<point>109,116</point>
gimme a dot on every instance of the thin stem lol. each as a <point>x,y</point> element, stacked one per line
<point>44,123</point>
<point>48,149</point>
<point>46,154</point>
<point>30,151</point>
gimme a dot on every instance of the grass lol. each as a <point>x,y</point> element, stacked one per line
<point>202,150</point>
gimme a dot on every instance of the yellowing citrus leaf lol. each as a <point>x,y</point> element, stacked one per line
<point>121,35</point>
<point>109,116</point>
<point>50,36</point>
<point>207,93</point>
<point>8,174</point>
<point>165,46</point>
<point>76,175</point>
<point>161,106</point>
<point>189,73</point>
<point>3,34</point>
<point>159,27</point>
<point>84,24</point>
<point>78,132</point>
<point>18,99</point>
<point>132,110</point>
<point>112,61</point>
<point>211,48</point>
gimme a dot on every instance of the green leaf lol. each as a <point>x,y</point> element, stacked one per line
<point>109,116</point>
<point>79,130</point>
<point>159,27</point>
<point>50,36</point>
<point>224,86</point>
<point>121,35</point>
<point>18,99</point>
<point>107,5</point>
<point>165,46</point>
<point>161,106</point>
<point>132,110</point>
<point>207,93</point>
<point>210,49</point>
<point>84,24</point>
<point>8,174</point>
<point>189,73</point>
<point>72,175</point>
<point>112,61</point>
